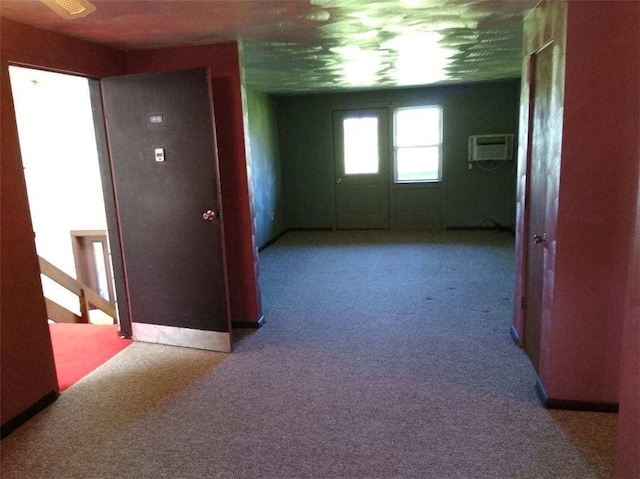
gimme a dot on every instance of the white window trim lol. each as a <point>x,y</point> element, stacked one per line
<point>396,147</point>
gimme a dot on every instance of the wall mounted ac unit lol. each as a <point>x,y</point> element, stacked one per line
<point>491,147</point>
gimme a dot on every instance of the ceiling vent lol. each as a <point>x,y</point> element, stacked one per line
<point>70,9</point>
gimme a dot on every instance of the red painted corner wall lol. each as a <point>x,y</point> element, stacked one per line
<point>627,462</point>
<point>31,46</point>
<point>27,372</point>
<point>27,366</point>
<point>597,200</point>
<point>223,62</point>
<point>545,24</point>
<point>593,198</point>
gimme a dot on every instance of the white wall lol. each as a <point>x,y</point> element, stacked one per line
<point>57,141</point>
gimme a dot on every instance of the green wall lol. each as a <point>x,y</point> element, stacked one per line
<point>263,165</point>
<point>464,197</point>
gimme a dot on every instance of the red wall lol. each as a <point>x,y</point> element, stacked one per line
<point>27,368</point>
<point>25,346</point>
<point>592,297</point>
<point>35,47</point>
<point>597,202</point>
<point>547,23</point>
<point>627,463</point>
<point>592,198</point>
<point>223,61</point>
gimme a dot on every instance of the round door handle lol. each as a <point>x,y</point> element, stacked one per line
<point>210,215</point>
<point>537,239</point>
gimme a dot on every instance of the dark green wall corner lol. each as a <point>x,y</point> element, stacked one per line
<point>264,165</point>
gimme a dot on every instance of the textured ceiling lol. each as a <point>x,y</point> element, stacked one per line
<point>316,45</point>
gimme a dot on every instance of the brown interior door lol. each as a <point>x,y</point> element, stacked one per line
<point>164,169</point>
<point>542,69</point>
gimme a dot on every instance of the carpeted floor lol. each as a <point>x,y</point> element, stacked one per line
<point>384,355</point>
<point>78,349</point>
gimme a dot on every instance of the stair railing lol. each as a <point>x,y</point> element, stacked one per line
<point>86,296</point>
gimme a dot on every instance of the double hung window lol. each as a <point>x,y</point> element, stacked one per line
<point>417,144</point>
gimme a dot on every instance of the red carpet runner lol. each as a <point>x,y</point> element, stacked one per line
<point>78,349</point>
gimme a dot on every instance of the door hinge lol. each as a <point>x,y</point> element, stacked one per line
<point>523,303</point>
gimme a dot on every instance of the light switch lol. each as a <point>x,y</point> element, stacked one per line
<point>159,154</point>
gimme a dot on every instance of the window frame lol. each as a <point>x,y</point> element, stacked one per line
<point>422,145</point>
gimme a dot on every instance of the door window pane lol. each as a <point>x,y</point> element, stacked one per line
<point>360,145</point>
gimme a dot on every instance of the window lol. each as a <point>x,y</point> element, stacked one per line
<point>361,145</point>
<point>417,144</point>
<point>93,264</point>
<point>99,255</point>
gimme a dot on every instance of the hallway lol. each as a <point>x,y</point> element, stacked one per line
<point>384,355</point>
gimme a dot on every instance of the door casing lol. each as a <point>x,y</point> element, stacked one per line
<point>538,162</point>
<point>362,201</point>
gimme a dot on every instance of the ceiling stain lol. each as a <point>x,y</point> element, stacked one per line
<point>291,46</point>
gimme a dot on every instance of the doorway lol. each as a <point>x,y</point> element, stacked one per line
<point>62,175</point>
<point>362,168</point>
<point>153,141</point>
<point>64,188</point>
<point>539,162</point>
<point>93,262</point>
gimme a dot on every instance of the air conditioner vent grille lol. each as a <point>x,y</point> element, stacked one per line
<point>497,147</point>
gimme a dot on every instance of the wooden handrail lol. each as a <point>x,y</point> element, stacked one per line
<point>84,292</point>
<point>60,314</point>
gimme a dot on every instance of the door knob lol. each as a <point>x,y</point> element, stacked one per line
<point>210,215</point>
<point>539,238</point>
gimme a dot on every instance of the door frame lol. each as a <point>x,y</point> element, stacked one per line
<point>388,150</point>
<point>526,227</point>
<point>124,328</point>
<point>110,201</point>
<point>111,210</point>
<point>82,253</point>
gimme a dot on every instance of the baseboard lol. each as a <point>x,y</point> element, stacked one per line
<point>248,324</point>
<point>514,335</point>
<point>572,405</point>
<point>506,229</point>
<point>310,229</point>
<point>183,337</point>
<point>13,424</point>
<point>273,240</point>
<point>287,230</point>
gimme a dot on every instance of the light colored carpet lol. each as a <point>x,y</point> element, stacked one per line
<point>384,355</point>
